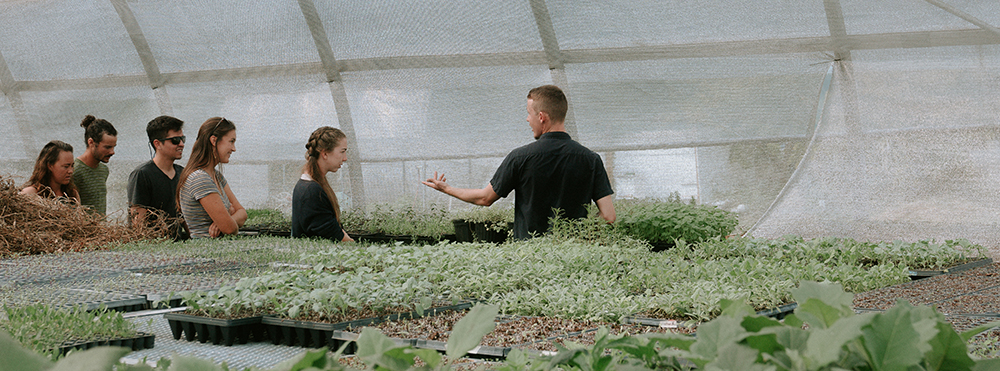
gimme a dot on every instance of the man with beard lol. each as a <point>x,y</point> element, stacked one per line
<point>90,174</point>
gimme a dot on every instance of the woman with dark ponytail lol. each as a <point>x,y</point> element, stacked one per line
<point>315,211</point>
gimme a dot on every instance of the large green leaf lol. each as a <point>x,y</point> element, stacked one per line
<point>788,337</point>
<point>469,331</point>
<point>987,365</point>
<point>735,308</point>
<point>969,334</point>
<point>891,341</point>
<point>12,353</point>
<point>311,358</point>
<point>819,314</point>
<point>375,349</point>
<point>430,356</point>
<point>182,363</point>
<point>670,339</point>
<point>95,359</point>
<point>948,351</point>
<point>830,293</point>
<point>736,357</point>
<point>756,323</point>
<point>825,345</point>
<point>715,335</point>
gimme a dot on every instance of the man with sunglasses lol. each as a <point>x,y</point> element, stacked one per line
<point>152,185</point>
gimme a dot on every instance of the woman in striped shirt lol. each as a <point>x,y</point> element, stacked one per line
<point>208,205</point>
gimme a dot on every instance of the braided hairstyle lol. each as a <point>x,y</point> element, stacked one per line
<point>322,140</point>
<point>41,177</point>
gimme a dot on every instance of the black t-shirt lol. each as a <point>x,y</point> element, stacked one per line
<point>149,187</point>
<point>312,213</point>
<point>553,172</point>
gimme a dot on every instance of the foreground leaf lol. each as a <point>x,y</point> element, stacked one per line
<point>375,349</point>
<point>469,330</point>
<point>825,345</point>
<point>830,293</point>
<point>12,353</point>
<point>969,334</point>
<point>180,363</point>
<point>736,357</point>
<point>948,351</point>
<point>715,335</point>
<point>891,341</point>
<point>95,359</point>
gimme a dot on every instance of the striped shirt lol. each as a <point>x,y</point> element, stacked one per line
<point>198,185</point>
<point>92,184</point>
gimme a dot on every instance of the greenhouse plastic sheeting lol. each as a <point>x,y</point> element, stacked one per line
<point>866,119</point>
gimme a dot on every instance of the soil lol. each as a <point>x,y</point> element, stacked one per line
<point>933,290</point>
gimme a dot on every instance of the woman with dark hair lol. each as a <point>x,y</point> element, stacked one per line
<point>207,203</point>
<point>53,174</point>
<point>315,211</point>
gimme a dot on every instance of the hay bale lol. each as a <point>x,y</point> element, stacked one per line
<point>33,225</point>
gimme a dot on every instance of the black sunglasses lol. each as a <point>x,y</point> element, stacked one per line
<point>175,140</point>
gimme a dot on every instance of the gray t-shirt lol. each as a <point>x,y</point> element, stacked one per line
<point>198,185</point>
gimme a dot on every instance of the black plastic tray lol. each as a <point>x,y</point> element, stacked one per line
<point>219,331</point>
<point>919,274</point>
<point>140,342</point>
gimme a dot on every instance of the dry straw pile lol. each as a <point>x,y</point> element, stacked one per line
<point>32,225</point>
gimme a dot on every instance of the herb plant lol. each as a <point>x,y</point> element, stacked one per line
<point>666,221</point>
<point>267,219</point>
<point>44,329</point>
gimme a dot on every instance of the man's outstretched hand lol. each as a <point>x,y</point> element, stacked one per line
<point>437,182</point>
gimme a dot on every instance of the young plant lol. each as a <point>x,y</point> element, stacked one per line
<point>665,222</point>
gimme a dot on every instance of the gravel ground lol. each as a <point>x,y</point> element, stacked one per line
<point>932,290</point>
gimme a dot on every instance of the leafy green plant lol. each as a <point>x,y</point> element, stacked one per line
<point>399,220</point>
<point>495,218</point>
<point>664,222</point>
<point>44,329</point>
<point>822,334</point>
<point>267,219</point>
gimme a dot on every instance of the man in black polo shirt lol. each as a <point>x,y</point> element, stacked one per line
<point>553,172</point>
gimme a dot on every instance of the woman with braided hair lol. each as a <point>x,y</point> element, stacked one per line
<point>315,211</point>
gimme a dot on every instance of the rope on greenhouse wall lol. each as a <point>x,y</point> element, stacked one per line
<point>814,127</point>
<point>332,69</point>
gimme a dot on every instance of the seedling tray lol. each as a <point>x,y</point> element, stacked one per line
<point>140,342</point>
<point>309,334</point>
<point>779,312</point>
<point>94,300</point>
<point>481,351</point>
<point>217,331</point>
<point>352,338</point>
<point>316,334</point>
<point>921,274</point>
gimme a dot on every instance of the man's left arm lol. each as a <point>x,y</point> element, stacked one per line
<point>606,208</point>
